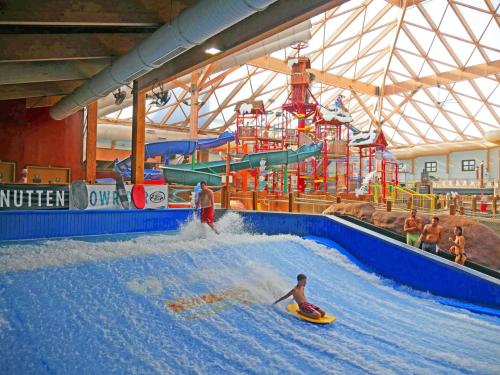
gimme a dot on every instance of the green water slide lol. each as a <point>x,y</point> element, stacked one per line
<point>187,174</point>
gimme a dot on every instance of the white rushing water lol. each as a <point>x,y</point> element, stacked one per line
<point>195,302</point>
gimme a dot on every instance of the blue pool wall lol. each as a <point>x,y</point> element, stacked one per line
<point>385,256</point>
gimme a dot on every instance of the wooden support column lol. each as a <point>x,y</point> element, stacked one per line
<point>193,115</point>
<point>91,144</point>
<point>138,134</point>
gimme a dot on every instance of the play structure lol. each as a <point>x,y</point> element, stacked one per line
<point>306,147</point>
<point>382,170</point>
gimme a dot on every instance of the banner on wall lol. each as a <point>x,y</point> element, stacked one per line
<point>105,197</point>
<point>34,197</point>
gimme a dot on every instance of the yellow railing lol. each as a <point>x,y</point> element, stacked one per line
<point>405,198</point>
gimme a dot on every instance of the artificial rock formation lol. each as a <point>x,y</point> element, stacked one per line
<point>482,243</point>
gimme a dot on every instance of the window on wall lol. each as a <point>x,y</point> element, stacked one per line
<point>431,166</point>
<point>468,165</point>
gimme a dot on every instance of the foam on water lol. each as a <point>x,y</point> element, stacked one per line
<point>76,306</point>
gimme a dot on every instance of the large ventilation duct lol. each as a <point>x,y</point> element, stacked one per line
<point>297,33</point>
<point>193,26</point>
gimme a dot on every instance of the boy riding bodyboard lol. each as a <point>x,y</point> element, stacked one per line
<point>305,308</point>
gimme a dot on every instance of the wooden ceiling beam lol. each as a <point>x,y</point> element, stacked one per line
<point>91,12</point>
<point>280,66</point>
<point>401,16</point>
<point>452,76</point>
<point>25,47</point>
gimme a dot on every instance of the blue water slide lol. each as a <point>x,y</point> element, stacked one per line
<point>165,148</point>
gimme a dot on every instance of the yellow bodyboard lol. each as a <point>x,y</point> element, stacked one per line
<point>294,310</point>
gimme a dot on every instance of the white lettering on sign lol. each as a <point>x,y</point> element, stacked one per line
<point>39,192</point>
<point>60,198</point>
<point>29,192</point>
<point>18,202</point>
<point>4,198</point>
<point>49,198</point>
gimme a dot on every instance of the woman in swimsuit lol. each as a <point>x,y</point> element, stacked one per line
<point>458,247</point>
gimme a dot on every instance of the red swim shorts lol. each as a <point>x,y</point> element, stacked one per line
<point>207,215</point>
<point>308,307</point>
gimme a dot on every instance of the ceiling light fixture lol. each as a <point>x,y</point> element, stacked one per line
<point>213,51</point>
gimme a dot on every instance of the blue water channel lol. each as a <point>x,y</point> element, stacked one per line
<point>192,302</point>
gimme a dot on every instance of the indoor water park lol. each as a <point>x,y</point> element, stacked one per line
<point>250,186</point>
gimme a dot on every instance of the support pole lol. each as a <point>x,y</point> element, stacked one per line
<point>193,115</point>
<point>91,148</point>
<point>228,170</point>
<point>285,180</point>
<point>138,134</point>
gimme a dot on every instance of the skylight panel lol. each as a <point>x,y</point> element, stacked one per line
<point>487,86</point>
<point>492,55</point>
<point>439,52</point>
<point>223,92</point>
<point>476,58</point>
<point>412,60</point>
<point>484,115</point>
<point>237,75</point>
<point>450,136</point>
<point>472,131</point>
<point>478,20</point>
<point>443,122</point>
<point>243,94</point>
<point>410,110</point>
<point>422,126</point>
<point>421,96</point>
<point>423,37</point>
<point>460,121</point>
<point>430,111</point>
<point>435,9</point>
<point>472,105</point>
<point>349,5</point>
<point>158,116</point>
<point>433,135</point>
<point>414,15</point>
<point>126,113</point>
<point>451,25</point>
<point>259,79</point>
<point>405,126</point>
<point>450,106</point>
<point>462,50</point>
<point>464,87</point>
<point>404,42</point>
<point>112,115</point>
<point>398,67</point>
